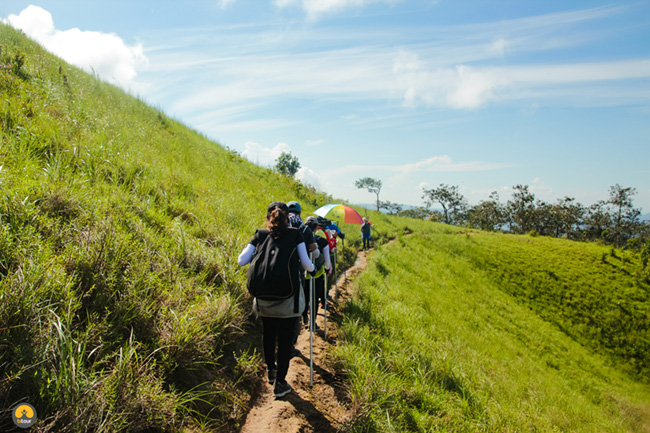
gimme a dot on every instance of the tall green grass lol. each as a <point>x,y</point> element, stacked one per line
<point>434,341</point>
<point>122,307</point>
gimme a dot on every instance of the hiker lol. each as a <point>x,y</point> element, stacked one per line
<point>336,232</point>
<point>334,227</point>
<point>279,316</point>
<point>331,231</point>
<point>295,221</point>
<point>333,241</point>
<point>324,264</point>
<point>365,233</point>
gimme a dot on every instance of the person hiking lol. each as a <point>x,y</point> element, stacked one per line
<point>333,241</point>
<point>324,265</point>
<point>279,316</point>
<point>295,221</point>
<point>365,233</point>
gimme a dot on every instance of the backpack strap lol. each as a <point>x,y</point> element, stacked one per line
<point>296,294</point>
<point>296,297</point>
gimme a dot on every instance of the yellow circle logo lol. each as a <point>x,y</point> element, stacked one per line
<point>24,415</point>
<point>24,411</point>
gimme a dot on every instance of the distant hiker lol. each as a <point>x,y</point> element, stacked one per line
<point>366,235</point>
<point>279,298</point>
<point>295,221</point>
<point>323,263</point>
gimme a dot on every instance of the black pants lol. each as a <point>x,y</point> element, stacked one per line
<point>319,286</point>
<point>306,287</point>
<point>278,332</point>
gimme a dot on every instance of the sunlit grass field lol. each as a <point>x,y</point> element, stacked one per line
<point>122,308</point>
<point>437,340</point>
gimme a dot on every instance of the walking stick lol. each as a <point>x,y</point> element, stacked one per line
<point>336,274</point>
<point>325,305</point>
<point>311,326</point>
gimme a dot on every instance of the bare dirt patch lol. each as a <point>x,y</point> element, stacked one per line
<point>323,407</point>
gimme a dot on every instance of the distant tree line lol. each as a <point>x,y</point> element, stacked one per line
<point>614,221</point>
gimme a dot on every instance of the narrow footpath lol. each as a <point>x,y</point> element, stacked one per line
<point>319,408</point>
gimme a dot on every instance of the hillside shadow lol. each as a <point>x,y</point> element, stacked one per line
<point>314,417</point>
<point>332,380</point>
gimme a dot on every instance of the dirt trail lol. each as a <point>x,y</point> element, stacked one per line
<point>320,408</point>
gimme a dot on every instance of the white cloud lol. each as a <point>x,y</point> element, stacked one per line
<point>318,8</point>
<point>578,72</point>
<point>105,54</point>
<point>315,143</point>
<point>465,87</point>
<point>309,177</point>
<point>413,81</point>
<point>460,87</point>
<point>436,164</point>
<point>498,47</point>
<point>472,90</point>
<point>539,188</point>
<point>264,156</point>
<point>225,3</point>
<point>451,71</point>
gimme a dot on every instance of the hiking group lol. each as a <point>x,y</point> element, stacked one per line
<point>280,288</point>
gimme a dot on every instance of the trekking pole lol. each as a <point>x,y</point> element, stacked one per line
<point>336,275</point>
<point>325,305</point>
<point>311,326</point>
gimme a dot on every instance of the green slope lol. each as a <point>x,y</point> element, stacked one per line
<point>121,304</point>
<point>458,331</point>
<point>122,308</point>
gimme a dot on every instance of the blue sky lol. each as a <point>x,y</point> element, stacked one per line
<point>484,95</point>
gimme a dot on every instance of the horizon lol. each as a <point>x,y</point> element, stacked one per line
<point>415,94</point>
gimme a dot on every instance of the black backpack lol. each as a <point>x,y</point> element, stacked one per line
<point>274,270</point>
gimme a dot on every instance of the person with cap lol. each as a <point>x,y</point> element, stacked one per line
<point>333,241</point>
<point>279,317</point>
<point>296,221</point>
<point>366,235</point>
<point>323,265</point>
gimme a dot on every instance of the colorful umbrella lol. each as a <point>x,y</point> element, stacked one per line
<point>339,212</point>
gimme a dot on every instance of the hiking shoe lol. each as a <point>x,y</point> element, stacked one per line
<point>281,389</point>
<point>271,374</point>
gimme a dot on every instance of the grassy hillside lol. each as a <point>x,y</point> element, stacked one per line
<point>121,304</point>
<point>459,331</point>
<point>122,308</point>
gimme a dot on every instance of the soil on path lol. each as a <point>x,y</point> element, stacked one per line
<point>319,408</point>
